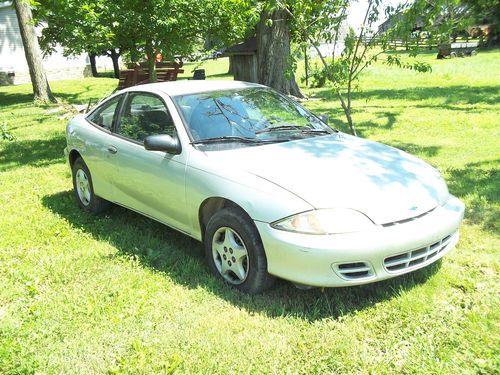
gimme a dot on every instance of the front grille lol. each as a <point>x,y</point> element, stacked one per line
<point>413,258</point>
<point>353,271</point>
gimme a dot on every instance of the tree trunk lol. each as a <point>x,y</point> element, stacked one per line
<point>230,70</point>
<point>116,66</point>
<point>41,88</point>
<point>151,56</point>
<point>273,53</point>
<point>93,66</point>
<point>153,76</point>
<point>347,110</point>
<point>306,65</point>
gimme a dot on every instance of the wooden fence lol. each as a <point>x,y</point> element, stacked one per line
<point>422,42</point>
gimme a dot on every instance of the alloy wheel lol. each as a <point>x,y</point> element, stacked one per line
<point>230,255</point>
<point>83,187</point>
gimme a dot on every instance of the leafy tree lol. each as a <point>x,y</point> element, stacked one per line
<point>456,17</point>
<point>171,27</point>
<point>41,88</point>
<point>141,29</point>
<point>319,21</point>
<point>273,29</point>
<point>83,26</point>
<point>486,12</point>
<point>177,27</point>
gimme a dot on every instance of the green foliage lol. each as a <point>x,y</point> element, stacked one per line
<point>80,26</point>
<point>418,66</point>
<point>445,19</point>
<point>317,76</point>
<point>170,27</point>
<point>486,12</point>
<point>5,134</point>
<point>325,21</point>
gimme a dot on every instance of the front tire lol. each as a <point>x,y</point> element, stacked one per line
<point>84,190</point>
<point>235,253</point>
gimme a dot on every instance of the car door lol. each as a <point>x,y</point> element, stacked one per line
<point>96,140</point>
<point>150,182</point>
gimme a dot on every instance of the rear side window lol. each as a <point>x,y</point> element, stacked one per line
<point>106,114</point>
<point>143,115</point>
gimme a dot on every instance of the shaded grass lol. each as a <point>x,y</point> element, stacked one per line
<point>121,293</point>
<point>38,152</point>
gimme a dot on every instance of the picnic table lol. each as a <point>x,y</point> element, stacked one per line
<point>138,74</point>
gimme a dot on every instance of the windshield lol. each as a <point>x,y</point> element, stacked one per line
<point>245,117</point>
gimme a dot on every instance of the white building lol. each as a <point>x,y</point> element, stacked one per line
<point>13,66</point>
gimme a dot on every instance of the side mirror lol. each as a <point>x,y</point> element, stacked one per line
<point>324,118</point>
<point>162,142</point>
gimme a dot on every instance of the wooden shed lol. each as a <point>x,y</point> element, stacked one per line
<point>243,60</point>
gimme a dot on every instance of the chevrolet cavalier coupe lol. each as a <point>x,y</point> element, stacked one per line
<point>268,187</point>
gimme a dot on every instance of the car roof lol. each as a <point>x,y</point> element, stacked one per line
<point>186,87</point>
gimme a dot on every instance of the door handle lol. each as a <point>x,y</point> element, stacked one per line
<point>112,149</point>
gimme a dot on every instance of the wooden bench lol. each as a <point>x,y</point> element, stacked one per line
<point>139,74</point>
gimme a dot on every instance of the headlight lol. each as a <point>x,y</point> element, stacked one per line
<point>326,221</point>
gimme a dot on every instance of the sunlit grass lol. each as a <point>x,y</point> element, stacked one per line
<point>123,294</point>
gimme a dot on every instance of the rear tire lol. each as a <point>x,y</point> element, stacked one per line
<point>84,190</point>
<point>235,253</point>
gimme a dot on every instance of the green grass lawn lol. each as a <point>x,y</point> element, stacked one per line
<point>214,69</point>
<point>123,294</point>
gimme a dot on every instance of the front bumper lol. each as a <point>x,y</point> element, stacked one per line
<point>362,257</point>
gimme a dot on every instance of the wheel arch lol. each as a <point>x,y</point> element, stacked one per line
<point>73,155</point>
<point>210,206</point>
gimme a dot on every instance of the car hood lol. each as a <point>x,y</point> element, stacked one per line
<point>384,183</point>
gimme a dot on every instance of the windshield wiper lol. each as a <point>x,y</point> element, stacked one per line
<point>233,138</point>
<point>279,128</point>
<point>293,127</point>
<point>316,131</point>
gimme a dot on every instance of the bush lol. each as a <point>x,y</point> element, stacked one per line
<point>5,134</point>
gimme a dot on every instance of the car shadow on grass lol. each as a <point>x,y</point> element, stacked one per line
<point>181,259</point>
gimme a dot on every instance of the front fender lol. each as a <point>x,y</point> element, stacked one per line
<point>261,199</point>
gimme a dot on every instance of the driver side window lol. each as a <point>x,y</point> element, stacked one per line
<point>143,115</point>
<point>105,116</point>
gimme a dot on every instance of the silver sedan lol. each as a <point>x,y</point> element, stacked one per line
<point>268,187</point>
